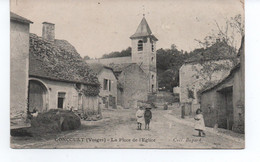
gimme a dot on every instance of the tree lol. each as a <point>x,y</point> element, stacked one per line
<point>169,62</point>
<point>231,33</point>
<point>86,58</point>
<point>123,53</point>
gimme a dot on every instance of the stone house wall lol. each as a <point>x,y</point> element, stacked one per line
<point>53,88</point>
<point>239,94</point>
<point>134,82</point>
<point>213,106</point>
<point>191,79</point>
<point>73,99</point>
<point>213,103</point>
<point>239,101</point>
<point>19,62</point>
<point>109,75</point>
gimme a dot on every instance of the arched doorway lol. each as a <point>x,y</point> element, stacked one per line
<point>37,96</point>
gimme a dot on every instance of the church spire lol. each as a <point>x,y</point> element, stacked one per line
<point>142,30</point>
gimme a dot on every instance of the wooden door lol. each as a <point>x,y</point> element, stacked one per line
<point>36,96</point>
<point>229,110</point>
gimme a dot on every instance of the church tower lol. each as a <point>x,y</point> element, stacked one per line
<point>144,52</point>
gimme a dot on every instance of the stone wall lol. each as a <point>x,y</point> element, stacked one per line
<point>19,62</point>
<point>108,74</point>
<point>192,80</point>
<point>134,83</point>
<point>73,99</point>
<point>53,88</point>
<point>239,93</point>
<point>213,104</point>
<point>239,101</point>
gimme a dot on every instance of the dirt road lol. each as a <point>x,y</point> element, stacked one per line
<point>117,129</point>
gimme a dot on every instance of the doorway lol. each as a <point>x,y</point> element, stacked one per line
<point>228,110</point>
<point>37,96</point>
<point>61,99</point>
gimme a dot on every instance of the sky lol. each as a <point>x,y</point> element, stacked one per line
<point>96,27</point>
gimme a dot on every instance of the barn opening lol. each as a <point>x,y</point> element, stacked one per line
<point>37,96</point>
<point>226,119</point>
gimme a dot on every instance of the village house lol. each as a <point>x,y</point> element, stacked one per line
<point>223,103</point>
<point>19,68</point>
<point>108,81</point>
<point>58,76</point>
<point>208,67</point>
<point>142,64</point>
<point>132,84</point>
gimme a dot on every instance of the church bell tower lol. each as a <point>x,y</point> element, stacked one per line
<point>144,52</point>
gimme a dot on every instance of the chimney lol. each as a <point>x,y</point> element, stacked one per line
<point>48,31</point>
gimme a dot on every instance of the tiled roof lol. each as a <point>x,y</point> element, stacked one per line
<point>118,68</point>
<point>97,67</point>
<point>16,17</point>
<point>58,61</point>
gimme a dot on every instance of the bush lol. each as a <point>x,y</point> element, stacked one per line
<point>53,121</point>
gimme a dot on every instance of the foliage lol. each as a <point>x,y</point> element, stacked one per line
<point>86,58</point>
<point>123,53</point>
<point>90,90</point>
<point>52,121</point>
<point>209,68</point>
<point>230,33</point>
<point>169,62</point>
<point>169,79</point>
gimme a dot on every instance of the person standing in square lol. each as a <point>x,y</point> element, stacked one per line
<point>199,123</point>
<point>147,117</point>
<point>140,117</point>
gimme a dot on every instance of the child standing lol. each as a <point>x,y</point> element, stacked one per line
<point>147,117</point>
<point>199,122</point>
<point>140,117</point>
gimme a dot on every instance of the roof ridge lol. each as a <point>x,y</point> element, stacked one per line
<point>16,17</point>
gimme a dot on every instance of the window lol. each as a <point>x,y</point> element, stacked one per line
<point>105,84</point>
<point>152,88</point>
<point>140,45</point>
<point>152,47</point>
<point>61,99</point>
<point>152,76</point>
<point>152,59</point>
<point>109,85</point>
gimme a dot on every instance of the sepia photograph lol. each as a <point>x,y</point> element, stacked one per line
<point>127,74</point>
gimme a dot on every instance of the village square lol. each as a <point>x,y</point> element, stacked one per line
<point>62,99</point>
